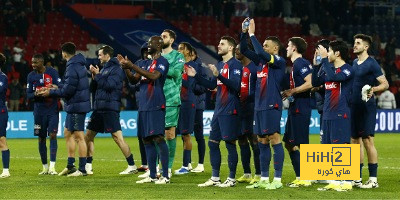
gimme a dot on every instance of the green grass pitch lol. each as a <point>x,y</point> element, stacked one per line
<point>106,183</point>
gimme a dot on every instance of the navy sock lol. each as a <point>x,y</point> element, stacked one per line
<point>232,159</point>
<point>82,164</point>
<point>130,160</point>
<point>6,158</point>
<point>142,151</point>
<point>265,158</point>
<point>198,133</point>
<point>157,154</point>
<point>373,169</point>
<point>279,156</point>
<point>295,157</point>
<point>361,166</point>
<point>89,159</point>
<point>245,156</point>
<point>151,158</point>
<point>43,150</point>
<point>215,158</point>
<point>71,161</point>
<point>186,157</point>
<point>164,156</point>
<point>256,157</point>
<point>53,150</point>
<point>201,148</point>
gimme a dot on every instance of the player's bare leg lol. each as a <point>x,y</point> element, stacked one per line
<point>119,140</point>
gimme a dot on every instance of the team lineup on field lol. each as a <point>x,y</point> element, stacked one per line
<point>249,85</point>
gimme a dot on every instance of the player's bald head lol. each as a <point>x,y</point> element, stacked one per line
<point>155,44</point>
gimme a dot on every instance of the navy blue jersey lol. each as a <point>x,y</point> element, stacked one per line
<point>318,72</point>
<point>199,90</point>
<point>248,86</point>
<point>270,73</point>
<point>301,105</point>
<point>151,93</point>
<point>46,105</point>
<point>228,83</point>
<point>364,73</point>
<point>269,79</point>
<point>338,85</point>
<point>3,90</point>
<point>135,88</point>
<point>188,98</point>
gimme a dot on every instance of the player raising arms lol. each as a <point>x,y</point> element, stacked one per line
<point>338,81</point>
<point>268,103</point>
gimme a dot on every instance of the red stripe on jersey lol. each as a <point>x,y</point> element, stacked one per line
<point>150,86</point>
<point>263,75</point>
<point>47,79</point>
<point>224,89</point>
<point>335,88</point>
<point>245,84</point>
<point>184,90</point>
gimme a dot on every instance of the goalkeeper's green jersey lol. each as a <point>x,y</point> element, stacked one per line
<point>173,83</point>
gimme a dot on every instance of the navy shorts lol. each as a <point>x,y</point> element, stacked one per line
<point>3,122</point>
<point>337,131</point>
<point>104,122</point>
<point>45,124</point>
<point>186,120</point>
<point>75,121</point>
<point>363,120</point>
<point>267,122</point>
<point>225,127</point>
<point>297,130</point>
<point>246,123</point>
<point>151,123</point>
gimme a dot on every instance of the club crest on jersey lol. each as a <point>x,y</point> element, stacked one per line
<point>331,85</point>
<point>162,67</point>
<point>304,70</point>
<point>347,72</point>
<point>41,81</point>
<point>59,80</point>
<point>236,71</point>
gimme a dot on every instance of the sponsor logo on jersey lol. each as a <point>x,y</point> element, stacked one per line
<point>332,85</point>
